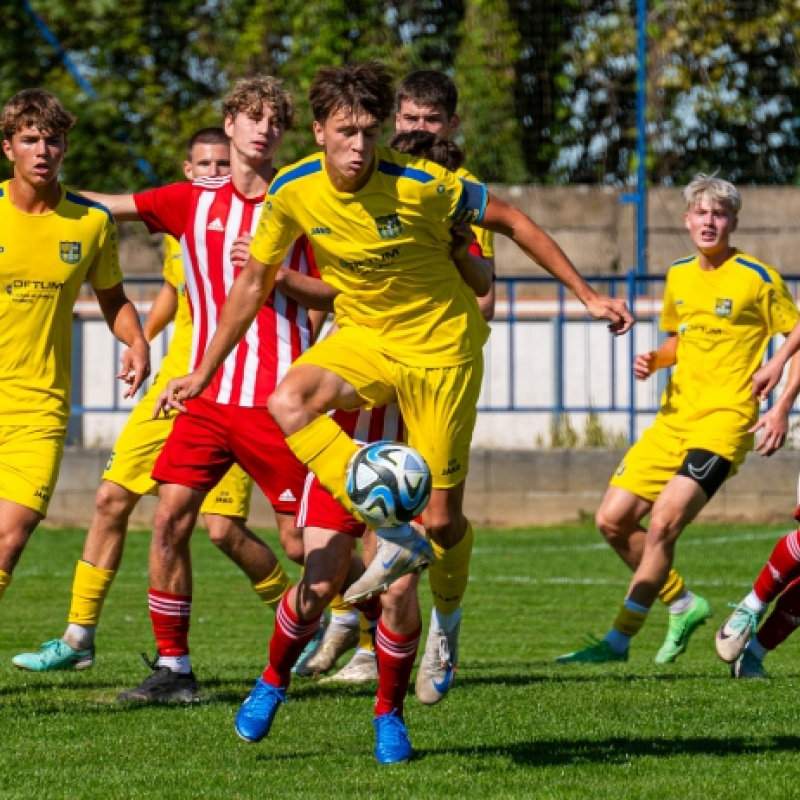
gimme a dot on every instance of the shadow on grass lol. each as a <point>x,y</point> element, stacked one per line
<point>561,752</point>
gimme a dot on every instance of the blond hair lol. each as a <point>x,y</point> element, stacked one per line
<point>35,108</point>
<point>713,189</point>
<point>249,95</point>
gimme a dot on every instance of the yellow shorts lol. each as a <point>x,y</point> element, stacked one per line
<point>29,460</point>
<point>135,452</point>
<point>656,458</point>
<point>439,405</point>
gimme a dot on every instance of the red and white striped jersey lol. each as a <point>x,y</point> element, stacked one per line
<point>384,422</point>
<point>206,216</point>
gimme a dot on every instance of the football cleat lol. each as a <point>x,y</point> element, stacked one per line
<point>681,628</point>
<point>338,639</point>
<point>55,655</point>
<point>598,652</point>
<point>400,551</point>
<point>361,668</point>
<point>748,666</point>
<point>735,633</point>
<point>254,718</point>
<point>437,670</point>
<point>163,686</point>
<point>392,745</point>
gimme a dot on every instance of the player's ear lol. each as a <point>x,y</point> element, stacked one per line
<point>686,220</point>
<point>187,170</point>
<point>734,222</point>
<point>7,150</point>
<point>319,133</point>
<point>455,124</point>
<point>227,126</point>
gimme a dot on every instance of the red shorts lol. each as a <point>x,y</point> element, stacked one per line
<point>319,509</point>
<point>210,437</point>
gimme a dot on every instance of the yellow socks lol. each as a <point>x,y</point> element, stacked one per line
<point>5,579</point>
<point>366,629</point>
<point>673,589</point>
<point>89,590</point>
<point>272,589</point>
<point>629,621</point>
<point>326,450</point>
<point>449,573</point>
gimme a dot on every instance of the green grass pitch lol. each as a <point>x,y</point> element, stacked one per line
<point>515,725</point>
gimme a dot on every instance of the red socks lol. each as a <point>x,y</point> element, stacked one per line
<point>396,654</point>
<point>170,615</point>
<point>289,638</point>
<point>784,619</point>
<point>782,568</point>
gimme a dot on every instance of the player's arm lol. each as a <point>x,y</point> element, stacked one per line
<point>313,293</point>
<point>486,302</point>
<point>122,206</point>
<point>123,321</point>
<point>310,292</point>
<point>249,292</point>
<point>316,319</point>
<point>769,376</point>
<point>476,271</point>
<point>162,312</point>
<point>645,364</point>
<point>504,218</point>
<point>774,425</point>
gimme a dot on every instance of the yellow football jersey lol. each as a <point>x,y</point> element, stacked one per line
<point>176,361</point>
<point>44,259</point>
<point>386,249</point>
<point>724,319</point>
<point>484,237</point>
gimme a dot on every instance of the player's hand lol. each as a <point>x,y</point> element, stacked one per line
<point>134,366</point>
<point>613,309</point>
<point>463,236</point>
<point>643,365</point>
<point>177,392</point>
<point>240,250</point>
<point>767,378</point>
<point>775,427</point>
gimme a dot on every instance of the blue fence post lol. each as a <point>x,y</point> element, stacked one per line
<point>512,349</point>
<point>75,424</point>
<point>558,358</point>
<point>632,288</point>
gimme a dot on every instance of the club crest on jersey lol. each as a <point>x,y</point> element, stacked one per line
<point>723,307</point>
<point>71,252</point>
<point>389,227</point>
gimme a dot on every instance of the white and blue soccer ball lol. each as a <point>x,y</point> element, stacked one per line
<point>389,483</point>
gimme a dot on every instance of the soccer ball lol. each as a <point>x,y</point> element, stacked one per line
<point>389,483</point>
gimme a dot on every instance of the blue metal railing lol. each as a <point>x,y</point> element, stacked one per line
<point>546,355</point>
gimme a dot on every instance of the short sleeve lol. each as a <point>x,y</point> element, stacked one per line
<point>105,271</point>
<point>780,309</point>
<point>471,200</point>
<point>166,209</point>
<point>669,315</point>
<point>276,230</point>
<point>173,266</point>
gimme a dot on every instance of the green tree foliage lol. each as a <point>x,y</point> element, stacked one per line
<point>723,91</point>
<point>154,65</point>
<point>485,75</point>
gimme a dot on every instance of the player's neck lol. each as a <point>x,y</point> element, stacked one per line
<point>251,179</point>
<point>714,260</point>
<point>34,199</point>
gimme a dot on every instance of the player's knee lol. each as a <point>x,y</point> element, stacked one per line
<point>12,545</point>
<point>292,544</point>
<point>609,525</point>
<point>170,528</point>
<point>444,528</point>
<point>314,597</point>
<point>112,500</point>
<point>222,532</point>
<point>663,530</point>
